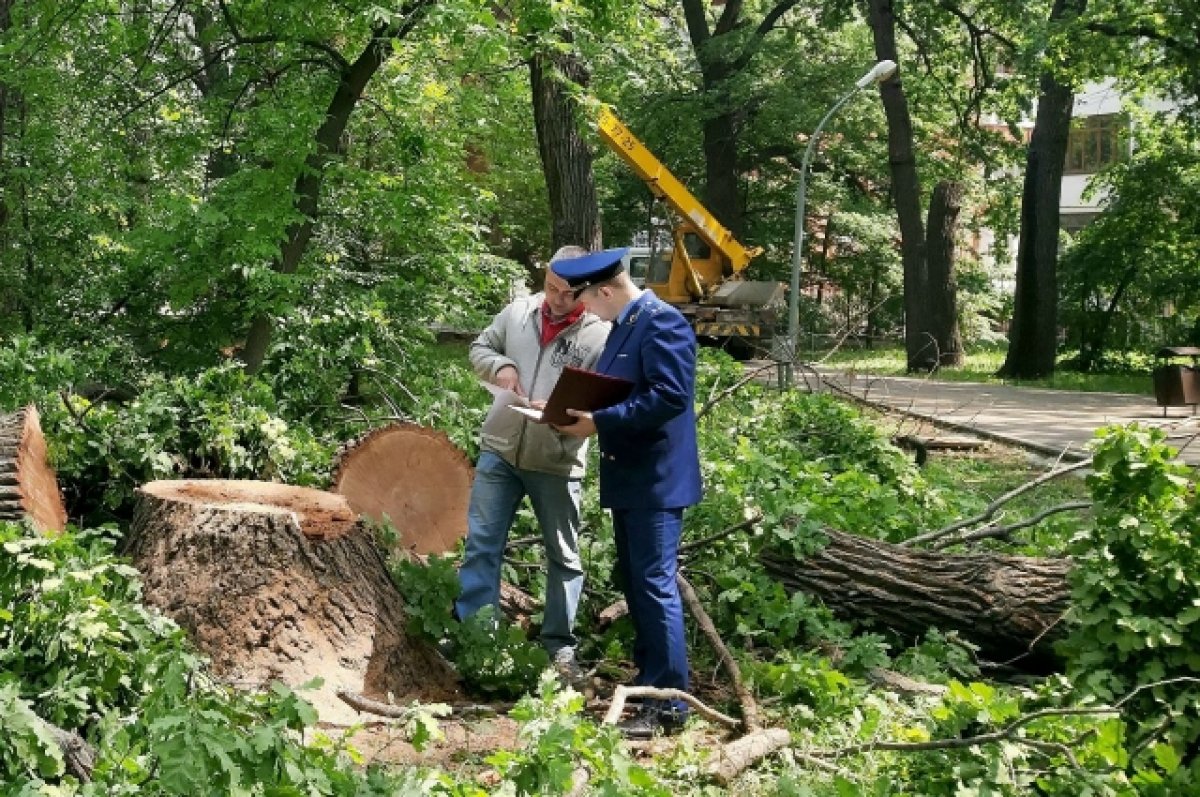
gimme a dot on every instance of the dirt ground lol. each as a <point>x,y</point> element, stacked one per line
<point>468,740</point>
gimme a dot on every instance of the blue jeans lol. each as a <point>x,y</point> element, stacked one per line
<point>647,559</point>
<point>495,495</point>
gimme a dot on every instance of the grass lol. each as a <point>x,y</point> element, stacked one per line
<point>981,366</point>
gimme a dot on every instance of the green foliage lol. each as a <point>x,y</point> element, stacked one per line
<point>807,678</point>
<point>556,741</point>
<point>72,630</point>
<point>78,649</point>
<point>1113,373</point>
<point>489,653</point>
<point>1136,595</point>
<point>1139,256</point>
<point>938,654</point>
<point>220,423</point>
<point>28,749</point>
<point>802,460</point>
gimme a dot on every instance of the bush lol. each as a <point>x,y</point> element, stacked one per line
<point>1136,592</point>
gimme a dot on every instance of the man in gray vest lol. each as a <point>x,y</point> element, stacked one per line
<point>524,349</point>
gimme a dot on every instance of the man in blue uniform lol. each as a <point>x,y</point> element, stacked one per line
<point>649,466</point>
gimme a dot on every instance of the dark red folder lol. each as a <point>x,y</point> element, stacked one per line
<point>579,389</point>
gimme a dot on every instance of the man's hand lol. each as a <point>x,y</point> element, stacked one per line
<point>508,378</point>
<point>583,427</point>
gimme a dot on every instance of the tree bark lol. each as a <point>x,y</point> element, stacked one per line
<point>906,191</point>
<point>28,485</point>
<point>1033,336</point>
<point>281,583</point>
<point>565,155</point>
<point>944,208</point>
<point>1010,606</point>
<point>719,128</point>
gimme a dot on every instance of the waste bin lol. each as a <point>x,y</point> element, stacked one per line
<point>1177,385</point>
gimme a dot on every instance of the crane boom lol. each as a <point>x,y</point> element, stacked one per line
<point>667,187</point>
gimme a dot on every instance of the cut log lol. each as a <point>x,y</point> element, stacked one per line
<point>281,583</point>
<point>28,485</point>
<point>1010,606</point>
<point>412,476</point>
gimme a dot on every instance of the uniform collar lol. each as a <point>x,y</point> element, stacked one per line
<point>629,311</point>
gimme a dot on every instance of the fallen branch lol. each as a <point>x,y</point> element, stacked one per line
<point>78,756</point>
<point>731,759</point>
<point>729,391</point>
<point>611,613</point>
<point>368,706</point>
<point>623,693</point>
<point>989,532</point>
<point>720,535</point>
<point>896,682</point>
<point>1009,733</point>
<point>749,706</point>
<point>994,506</point>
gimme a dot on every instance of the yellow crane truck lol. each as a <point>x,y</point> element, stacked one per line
<point>703,273</point>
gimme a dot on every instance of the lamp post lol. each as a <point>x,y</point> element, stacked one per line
<point>877,74</point>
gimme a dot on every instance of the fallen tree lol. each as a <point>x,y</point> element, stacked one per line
<point>1012,607</point>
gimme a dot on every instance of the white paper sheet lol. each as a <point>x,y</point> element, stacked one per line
<point>528,412</point>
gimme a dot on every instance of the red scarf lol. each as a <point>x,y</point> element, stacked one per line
<point>552,328</point>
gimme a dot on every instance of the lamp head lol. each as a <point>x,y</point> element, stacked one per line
<point>879,73</point>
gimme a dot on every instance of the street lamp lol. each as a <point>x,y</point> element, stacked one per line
<point>878,73</point>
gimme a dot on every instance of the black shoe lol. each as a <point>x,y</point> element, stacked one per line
<point>447,648</point>
<point>650,721</point>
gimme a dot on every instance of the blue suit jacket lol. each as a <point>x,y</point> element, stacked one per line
<point>648,453</point>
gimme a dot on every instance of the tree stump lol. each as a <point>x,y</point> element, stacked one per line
<point>28,485</point>
<point>281,583</point>
<point>1011,606</point>
<point>413,477</point>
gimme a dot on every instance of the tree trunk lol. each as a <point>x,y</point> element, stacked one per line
<point>281,583</point>
<point>721,194</point>
<point>906,191</point>
<point>1096,341</point>
<point>1033,336</point>
<point>715,57</point>
<point>327,146</point>
<point>28,485</point>
<point>1010,606</point>
<point>565,155</point>
<point>413,477</point>
<point>944,208</point>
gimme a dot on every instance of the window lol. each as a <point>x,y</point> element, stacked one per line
<point>1096,142</point>
<point>695,246</point>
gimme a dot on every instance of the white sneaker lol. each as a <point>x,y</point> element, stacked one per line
<point>570,673</point>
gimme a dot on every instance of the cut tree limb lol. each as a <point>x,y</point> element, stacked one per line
<point>730,760</point>
<point>623,693</point>
<point>413,477</point>
<point>281,583</point>
<point>1011,606</point>
<point>709,629</point>
<point>28,485</point>
<point>991,509</point>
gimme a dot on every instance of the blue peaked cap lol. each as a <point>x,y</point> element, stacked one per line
<point>581,272</point>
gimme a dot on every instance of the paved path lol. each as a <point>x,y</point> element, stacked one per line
<point>1052,422</point>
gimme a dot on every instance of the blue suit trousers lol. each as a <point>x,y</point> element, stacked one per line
<point>647,560</point>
